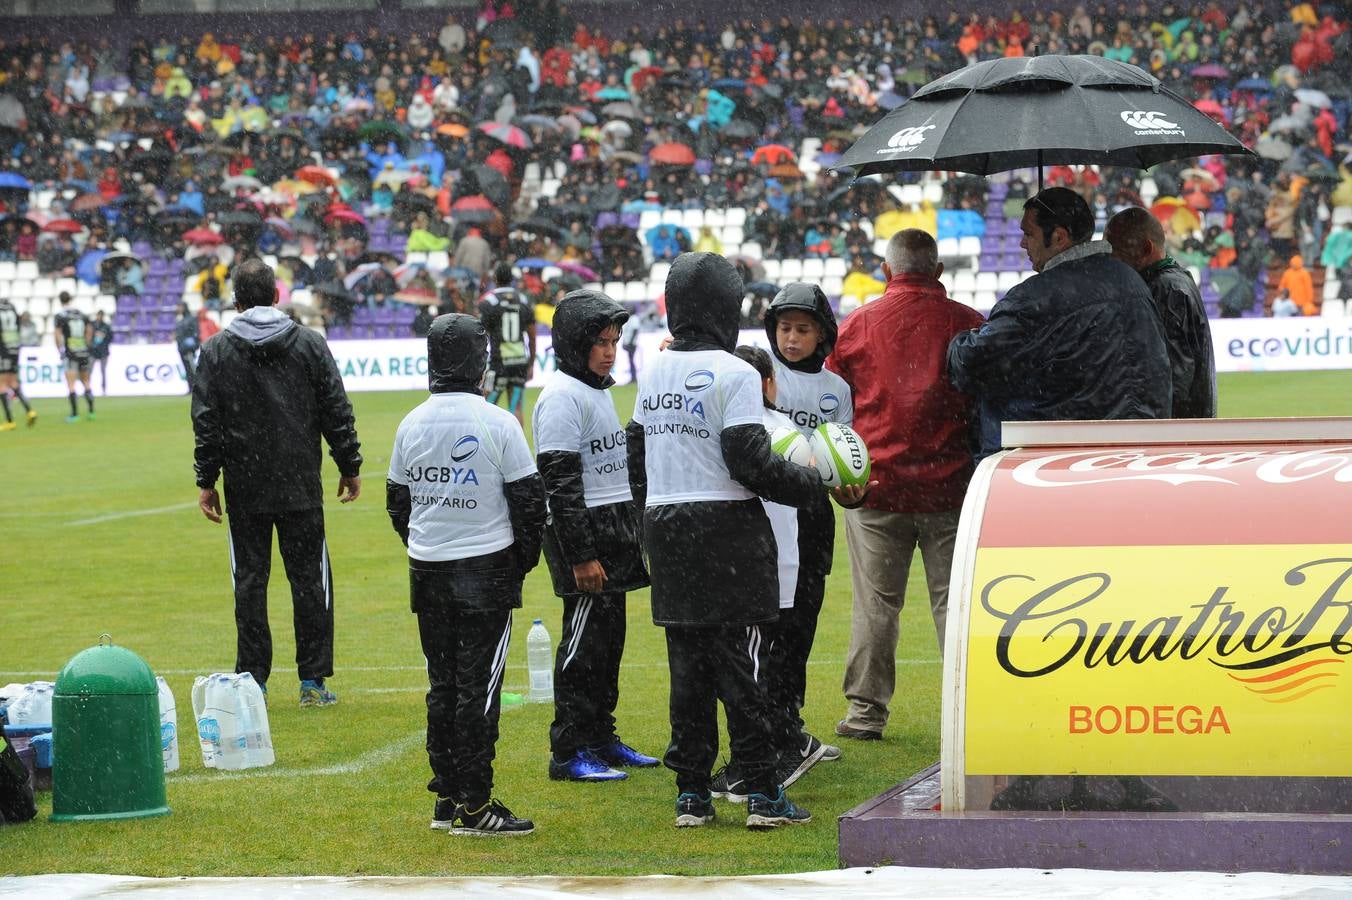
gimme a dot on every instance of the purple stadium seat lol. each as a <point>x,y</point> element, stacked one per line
<point>405,313</point>
<point>988,262</point>
<point>123,321</point>
<point>337,333</point>
<point>384,316</point>
<point>1011,262</point>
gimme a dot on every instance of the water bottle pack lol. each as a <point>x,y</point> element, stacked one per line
<point>33,706</point>
<point>232,722</point>
<point>540,664</point>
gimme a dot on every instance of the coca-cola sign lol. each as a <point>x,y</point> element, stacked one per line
<point>1177,467</point>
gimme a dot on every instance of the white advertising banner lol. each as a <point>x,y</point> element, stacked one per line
<point>139,370</point>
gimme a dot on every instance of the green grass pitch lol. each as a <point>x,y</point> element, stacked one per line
<point>99,532</point>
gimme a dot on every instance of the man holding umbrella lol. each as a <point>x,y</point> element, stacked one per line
<point>1080,340</point>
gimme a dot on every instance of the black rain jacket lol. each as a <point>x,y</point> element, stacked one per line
<point>266,390</point>
<point>1187,334</point>
<point>575,534</point>
<point>1078,341</point>
<point>713,563</point>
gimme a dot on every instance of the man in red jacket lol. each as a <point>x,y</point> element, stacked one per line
<point>917,428</point>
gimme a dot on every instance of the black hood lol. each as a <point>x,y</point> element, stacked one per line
<point>812,300</point>
<point>704,302</point>
<point>579,318</point>
<point>457,354</point>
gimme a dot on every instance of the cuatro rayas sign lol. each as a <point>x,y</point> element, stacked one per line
<point>1162,608</point>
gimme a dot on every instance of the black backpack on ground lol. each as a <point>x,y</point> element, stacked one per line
<point>16,789</point>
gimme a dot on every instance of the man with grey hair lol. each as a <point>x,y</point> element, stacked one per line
<point>917,428</point>
<point>1137,238</point>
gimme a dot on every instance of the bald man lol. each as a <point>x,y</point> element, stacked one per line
<point>1137,239</point>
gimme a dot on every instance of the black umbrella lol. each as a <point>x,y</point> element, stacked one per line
<point>539,226</point>
<point>739,129</point>
<point>1033,111</point>
<point>486,180</point>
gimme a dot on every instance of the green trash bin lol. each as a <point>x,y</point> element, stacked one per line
<point>107,760</point>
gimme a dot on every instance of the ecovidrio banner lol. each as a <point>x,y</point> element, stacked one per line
<point>1152,599</point>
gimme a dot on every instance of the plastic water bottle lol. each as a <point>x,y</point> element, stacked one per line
<point>168,726</point>
<point>540,662</point>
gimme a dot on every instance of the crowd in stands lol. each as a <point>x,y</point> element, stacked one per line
<point>387,170</point>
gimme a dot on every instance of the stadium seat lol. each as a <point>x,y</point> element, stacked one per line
<point>752,249</point>
<point>946,279</point>
<point>1008,281</point>
<point>549,273</point>
<point>634,292</point>
<point>655,289</point>
<point>1333,308</point>
<point>85,289</point>
<point>614,289</point>
<point>933,193</point>
<point>44,287</point>
<point>1342,215</point>
<point>716,218</point>
<point>438,260</point>
<point>42,306</point>
<point>692,220</point>
<point>969,246</point>
<point>987,281</point>
<point>880,247</point>
<point>7,270</point>
<point>948,248</point>
<point>983,300</point>
<point>69,285</point>
<point>649,218</point>
<point>21,287</point>
<point>964,280</point>
<point>963,297</point>
<point>550,187</point>
<point>416,256</point>
<point>732,236</point>
<point>813,269</point>
<point>1331,286</point>
<point>771,267</point>
<point>791,270</point>
<point>735,216</point>
<point>832,285</point>
<point>1148,190</point>
<point>912,194</point>
<point>835,268</point>
<point>659,271</point>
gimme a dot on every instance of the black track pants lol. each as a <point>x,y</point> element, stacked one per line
<point>708,665</point>
<point>787,681</point>
<point>587,673</point>
<point>466,654</point>
<point>305,555</point>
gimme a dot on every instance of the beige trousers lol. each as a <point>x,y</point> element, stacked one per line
<point>881,547</point>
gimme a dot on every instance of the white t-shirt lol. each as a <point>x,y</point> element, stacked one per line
<point>573,417</point>
<point>811,398</point>
<point>685,400</point>
<point>455,452</point>
<point>784,523</point>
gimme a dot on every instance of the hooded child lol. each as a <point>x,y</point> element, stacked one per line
<point>464,495</point>
<point>591,541</point>
<point>699,460</point>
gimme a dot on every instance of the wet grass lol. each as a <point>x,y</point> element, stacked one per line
<point>347,793</point>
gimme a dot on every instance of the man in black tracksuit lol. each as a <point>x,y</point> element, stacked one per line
<point>463,493</point>
<point>266,390</point>
<point>591,543</point>
<point>699,457</point>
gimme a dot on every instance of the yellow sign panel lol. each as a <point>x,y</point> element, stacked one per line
<point>1182,660</point>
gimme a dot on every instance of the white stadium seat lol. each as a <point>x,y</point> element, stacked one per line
<point>1008,281</point>
<point>659,271</point>
<point>438,260</point>
<point>791,270</point>
<point>715,218</point>
<point>692,220</point>
<point>21,287</point>
<point>614,289</point>
<point>1333,309</point>
<point>814,269</point>
<point>912,194</point>
<point>964,280</point>
<point>752,249</point>
<point>963,297</point>
<point>948,248</point>
<point>1342,215</point>
<point>987,281</point>
<point>969,246</point>
<point>880,247</point>
<point>44,287</point>
<point>732,236</point>
<point>7,270</point>
<point>835,268</point>
<point>41,306</point>
<point>636,291</point>
<point>649,218</point>
<point>933,193</point>
<point>832,286</point>
<point>1330,288</point>
<point>26,269</point>
<point>771,267</point>
<point>983,300</point>
<point>735,216</point>
<point>85,289</point>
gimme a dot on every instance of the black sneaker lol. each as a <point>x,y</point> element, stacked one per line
<point>443,814</point>
<point>771,812</point>
<point>692,810</point>
<point>793,764</point>
<point>490,820</point>
<point>729,785</point>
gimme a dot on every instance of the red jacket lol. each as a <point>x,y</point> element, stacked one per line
<point>893,353</point>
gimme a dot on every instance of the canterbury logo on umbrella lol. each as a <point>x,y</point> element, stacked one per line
<point>907,139</point>
<point>1149,122</point>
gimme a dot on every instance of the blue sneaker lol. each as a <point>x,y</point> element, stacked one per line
<point>619,755</point>
<point>583,767</point>
<point>313,693</point>
<point>771,812</point>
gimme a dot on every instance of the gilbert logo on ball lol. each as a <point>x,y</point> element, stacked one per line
<point>788,442</point>
<point>840,455</point>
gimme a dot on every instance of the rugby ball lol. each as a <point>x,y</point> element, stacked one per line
<point>840,455</point>
<point>788,442</point>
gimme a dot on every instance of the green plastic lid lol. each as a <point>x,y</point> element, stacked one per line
<point>105,669</point>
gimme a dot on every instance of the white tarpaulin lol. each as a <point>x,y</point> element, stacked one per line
<point>857,884</point>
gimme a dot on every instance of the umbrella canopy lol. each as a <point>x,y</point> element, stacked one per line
<point>344,215</point>
<point>537,121</point>
<point>203,237</point>
<point>87,202</point>
<point>1273,148</point>
<point>1289,123</point>
<point>334,290</point>
<point>506,134</point>
<point>241,183</point>
<point>1212,109</point>
<point>618,129</point>
<point>739,129</point>
<point>612,93</point>
<point>360,273</point>
<point>12,113</point>
<point>13,181</point>
<point>772,154</point>
<point>672,154</point>
<point>1314,98</point>
<point>381,131</point>
<point>533,262</point>
<point>1032,111</point>
<point>620,109</point>
<point>474,202</point>
<point>1255,85</point>
<point>63,226</point>
<point>316,175</point>
<point>281,226</point>
<point>540,226</point>
<point>1211,71</point>
<point>453,129</point>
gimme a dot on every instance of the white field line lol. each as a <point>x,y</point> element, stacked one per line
<point>368,760</point>
<point>130,514</point>
<point>521,667</point>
